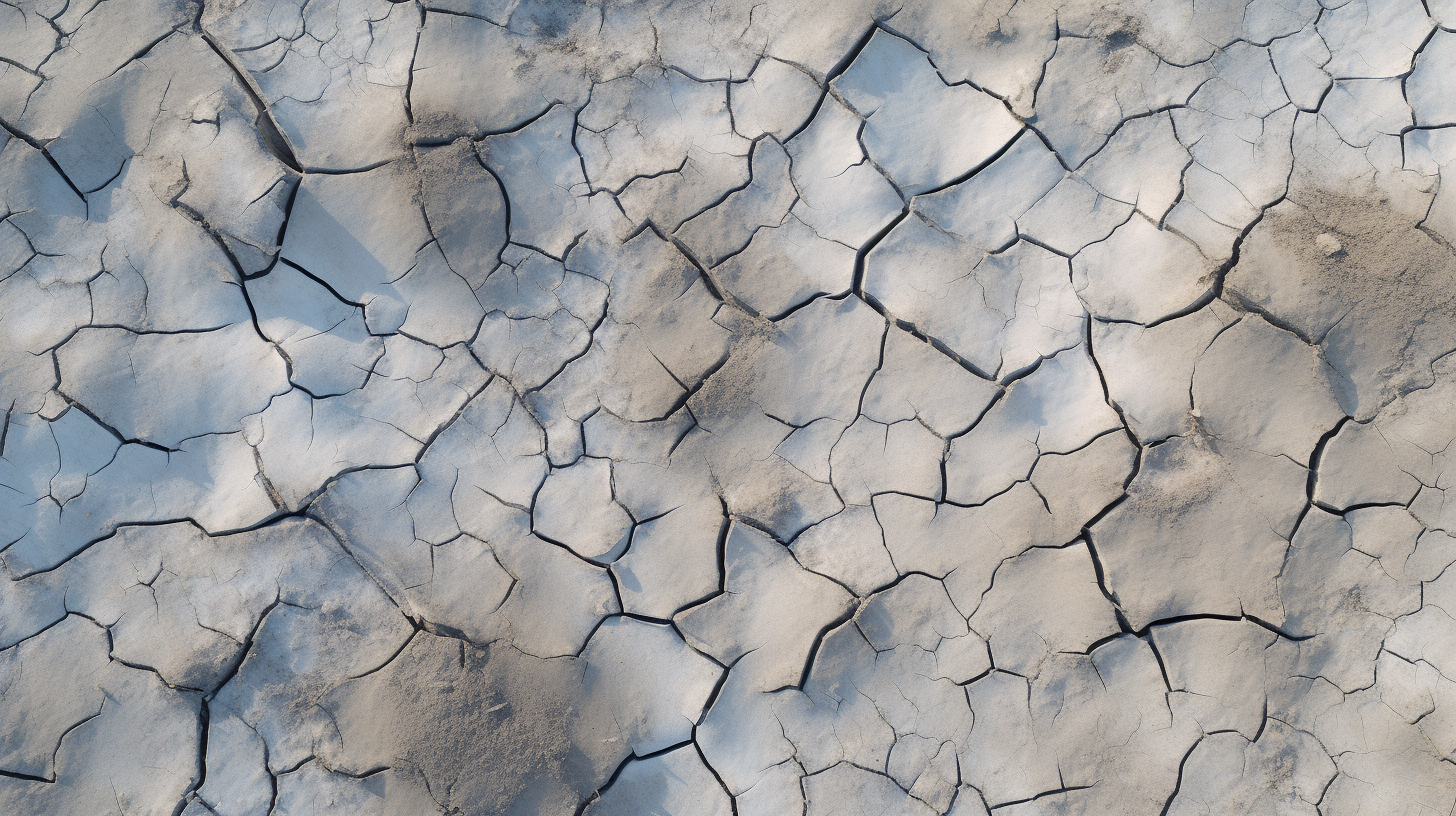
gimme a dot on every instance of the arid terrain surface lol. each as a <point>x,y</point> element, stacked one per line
<point>727,407</point>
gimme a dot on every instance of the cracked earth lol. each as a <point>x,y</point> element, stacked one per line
<point>733,408</point>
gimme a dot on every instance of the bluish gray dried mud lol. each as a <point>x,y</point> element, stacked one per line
<point>727,407</point>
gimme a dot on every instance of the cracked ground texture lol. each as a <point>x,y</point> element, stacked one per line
<point>731,408</point>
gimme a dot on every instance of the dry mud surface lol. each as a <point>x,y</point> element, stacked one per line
<point>731,407</point>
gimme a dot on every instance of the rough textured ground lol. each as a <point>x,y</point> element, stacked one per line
<point>757,407</point>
